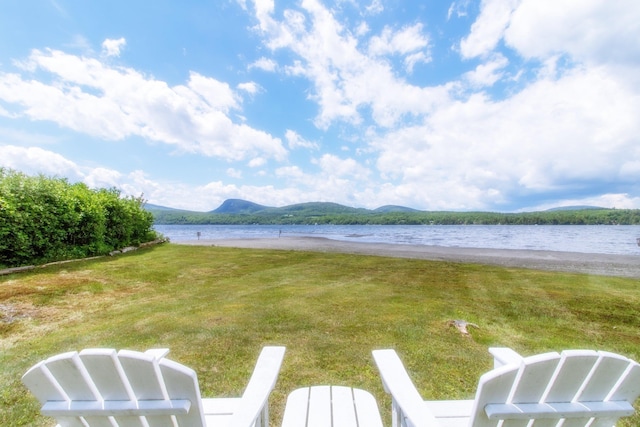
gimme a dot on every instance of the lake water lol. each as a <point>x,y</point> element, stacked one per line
<point>605,239</point>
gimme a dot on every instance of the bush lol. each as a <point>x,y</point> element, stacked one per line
<point>46,219</point>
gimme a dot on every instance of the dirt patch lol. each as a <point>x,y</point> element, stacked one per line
<point>10,313</point>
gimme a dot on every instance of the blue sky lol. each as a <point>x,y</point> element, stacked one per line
<point>500,105</point>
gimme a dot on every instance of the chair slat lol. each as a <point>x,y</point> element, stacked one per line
<point>573,370</point>
<point>606,374</point>
<point>369,414</point>
<point>297,408</point>
<point>42,384</point>
<point>534,377</point>
<point>319,407</point>
<point>342,409</point>
<point>143,375</point>
<point>181,382</point>
<point>107,374</point>
<point>73,377</point>
<point>494,386</point>
<point>629,385</point>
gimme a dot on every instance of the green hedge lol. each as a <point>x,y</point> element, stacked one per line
<point>45,219</point>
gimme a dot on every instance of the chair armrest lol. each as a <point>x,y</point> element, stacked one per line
<point>504,356</point>
<point>256,396</point>
<point>397,383</point>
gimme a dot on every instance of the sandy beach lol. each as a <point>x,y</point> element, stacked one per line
<point>575,262</point>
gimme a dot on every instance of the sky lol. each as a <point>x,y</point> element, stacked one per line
<point>493,105</point>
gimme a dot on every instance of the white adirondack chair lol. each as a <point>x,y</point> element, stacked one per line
<point>575,388</point>
<point>103,387</point>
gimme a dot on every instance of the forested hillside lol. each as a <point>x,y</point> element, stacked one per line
<point>332,213</point>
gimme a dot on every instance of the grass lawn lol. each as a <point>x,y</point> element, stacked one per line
<point>216,307</point>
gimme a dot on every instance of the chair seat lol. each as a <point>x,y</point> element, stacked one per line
<point>327,406</point>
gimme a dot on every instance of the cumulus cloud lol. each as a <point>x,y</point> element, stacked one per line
<point>489,27</point>
<point>296,141</point>
<point>249,87</point>
<point>35,160</point>
<point>487,73</point>
<point>347,79</point>
<point>404,41</point>
<point>111,47</point>
<point>264,64</point>
<point>234,173</point>
<point>114,103</point>
<point>589,31</point>
<point>555,134</point>
<point>375,7</point>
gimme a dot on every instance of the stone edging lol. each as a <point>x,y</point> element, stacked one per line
<point>8,271</point>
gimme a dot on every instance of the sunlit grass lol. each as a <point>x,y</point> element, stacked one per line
<point>216,307</point>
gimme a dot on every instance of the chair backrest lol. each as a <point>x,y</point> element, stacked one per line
<point>577,387</point>
<point>102,387</point>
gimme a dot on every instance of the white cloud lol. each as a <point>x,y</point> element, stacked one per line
<point>294,141</point>
<point>488,28</point>
<point>264,64</point>
<point>375,7</point>
<point>234,173</point>
<point>116,103</point>
<point>486,74</point>
<point>407,40</point>
<point>111,47</point>
<point>250,87</point>
<point>415,58</point>
<point>572,132</point>
<point>256,162</point>
<point>593,31</point>
<point>345,79</point>
<point>335,167</point>
<point>35,160</point>
<point>459,8</point>
<point>104,178</point>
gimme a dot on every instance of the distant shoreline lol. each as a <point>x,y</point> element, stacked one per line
<point>573,262</point>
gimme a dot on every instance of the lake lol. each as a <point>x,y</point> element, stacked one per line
<point>604,239</point>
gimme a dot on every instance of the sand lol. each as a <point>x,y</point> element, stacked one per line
<point>574,262</point>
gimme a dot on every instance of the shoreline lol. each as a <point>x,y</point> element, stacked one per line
<point>572,262</point>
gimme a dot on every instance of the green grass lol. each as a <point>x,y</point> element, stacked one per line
<point>216,307</point>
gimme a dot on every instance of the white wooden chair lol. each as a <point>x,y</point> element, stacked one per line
<point>103,387</point>
<point>575,388</point>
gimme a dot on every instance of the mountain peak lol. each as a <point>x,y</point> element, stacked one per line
<point>238,206</point>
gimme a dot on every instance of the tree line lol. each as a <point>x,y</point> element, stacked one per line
<point>559,217</point>
<point>45,219</point>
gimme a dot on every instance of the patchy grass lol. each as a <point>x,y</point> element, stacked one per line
<point>216,307</point>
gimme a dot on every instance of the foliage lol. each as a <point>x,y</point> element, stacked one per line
<point>214,308</point>
<point>330,213</point>
<point>46,219</point>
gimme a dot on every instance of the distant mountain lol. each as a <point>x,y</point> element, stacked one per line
<point>236,211</point>
<point>574,208</point>
<point>394,208</point>
<point>238,206</point>
<point>316,208</point>
<point>152,207</point>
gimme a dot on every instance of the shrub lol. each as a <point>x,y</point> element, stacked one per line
<point>45,219</point>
